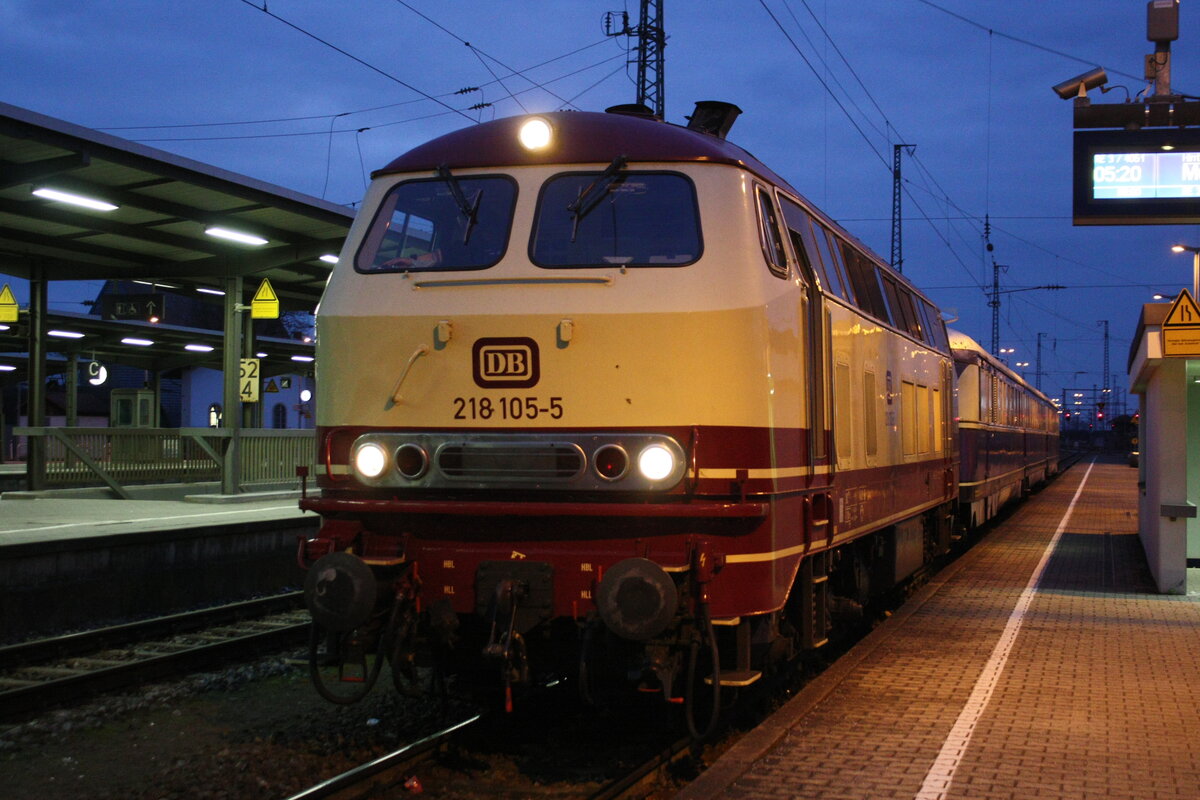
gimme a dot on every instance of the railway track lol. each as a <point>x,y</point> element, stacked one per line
<point>45,672</point>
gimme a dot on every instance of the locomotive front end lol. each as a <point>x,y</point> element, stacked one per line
<point>535,361</point>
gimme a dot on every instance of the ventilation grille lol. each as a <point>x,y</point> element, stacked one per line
<point>531,462</point>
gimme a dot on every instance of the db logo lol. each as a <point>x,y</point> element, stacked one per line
<point>505,363</point>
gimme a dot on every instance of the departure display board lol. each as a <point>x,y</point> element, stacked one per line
<point>1145,177</point>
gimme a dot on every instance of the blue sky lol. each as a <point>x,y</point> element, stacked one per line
<point>968,83</point>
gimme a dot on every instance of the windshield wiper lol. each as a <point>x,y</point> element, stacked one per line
<point>581,206</point>
<point>469,210</point>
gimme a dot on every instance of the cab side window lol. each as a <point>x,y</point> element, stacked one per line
<point>769,235</point>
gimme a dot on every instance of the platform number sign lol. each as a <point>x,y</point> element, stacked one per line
<point>248,380</point>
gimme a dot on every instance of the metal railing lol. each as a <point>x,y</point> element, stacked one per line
<point>120,457</point>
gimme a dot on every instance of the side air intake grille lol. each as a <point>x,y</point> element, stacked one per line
<point>535,461</point>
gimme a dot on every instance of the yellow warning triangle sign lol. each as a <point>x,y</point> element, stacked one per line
<point>1184,312</point>
<point>265,304</point>
<point>9,310</point>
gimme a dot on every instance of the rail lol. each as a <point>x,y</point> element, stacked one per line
<point>122,457</point>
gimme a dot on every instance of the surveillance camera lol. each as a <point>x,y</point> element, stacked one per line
<point>1078,86</point>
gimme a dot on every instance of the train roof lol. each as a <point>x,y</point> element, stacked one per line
<point>580,137</point>
<point>968,351</point>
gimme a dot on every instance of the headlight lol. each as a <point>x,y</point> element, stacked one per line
<point>535,133</point>
<point>370,460</point>
<point>656,462</point>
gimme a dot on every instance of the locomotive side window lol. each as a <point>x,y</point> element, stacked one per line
<point>804,242</point>
<point>865,280</point>
<point>771,239</point>
<point>636,219</point>
<point>827,244</point>
<point>901,303</point>
<point>449,223</point>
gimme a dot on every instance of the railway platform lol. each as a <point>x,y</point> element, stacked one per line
<point>69,561</point>
<point>1040,664</point>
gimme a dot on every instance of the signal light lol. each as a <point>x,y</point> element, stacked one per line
<point>611,461</point>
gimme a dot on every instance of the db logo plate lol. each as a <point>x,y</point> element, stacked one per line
<point>505,363</point>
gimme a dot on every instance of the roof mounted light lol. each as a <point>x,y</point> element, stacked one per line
<point>329,258</point>
<point>74,199</point>
<point>234,236</point>
<point>535,134</point>
<point>198,348</point>
<point>65,334</point>
<point>135,341</point>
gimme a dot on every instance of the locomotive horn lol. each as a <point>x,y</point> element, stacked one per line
<point>637,599</point>
<point>340,592</point>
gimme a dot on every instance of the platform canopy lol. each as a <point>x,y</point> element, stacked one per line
<point>158,209</point>
<point>164,206</point>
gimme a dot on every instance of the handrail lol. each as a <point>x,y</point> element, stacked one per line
<point>120,457</point>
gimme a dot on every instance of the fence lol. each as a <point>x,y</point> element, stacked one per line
<point>119,457</point>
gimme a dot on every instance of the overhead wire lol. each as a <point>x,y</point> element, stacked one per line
<point>358,60</point>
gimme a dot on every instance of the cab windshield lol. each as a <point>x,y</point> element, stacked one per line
<point>447,223</point>
<point>636,219</point>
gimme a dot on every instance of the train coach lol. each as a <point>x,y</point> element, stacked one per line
<point>604,397</point>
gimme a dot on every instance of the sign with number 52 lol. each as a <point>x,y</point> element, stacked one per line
<point>248,380</point>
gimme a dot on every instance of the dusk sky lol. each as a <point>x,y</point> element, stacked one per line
<point>312,96</point>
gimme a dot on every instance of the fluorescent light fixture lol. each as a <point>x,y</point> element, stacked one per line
<point>7,368</point>
<point>136,341</point>
<point>260,355</point>
<point>329,258</point>
<point>305,359</point>
<point>234,236</point>
<point>155,284</point>
<point>207,290</point>
<point>65,334</point>
<point>4,328</point>
<point>74,199</point>
<point>198,348</point>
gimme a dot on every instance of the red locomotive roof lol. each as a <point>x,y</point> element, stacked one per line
<point>580,137</point>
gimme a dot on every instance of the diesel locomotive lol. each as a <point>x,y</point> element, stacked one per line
<point>605,397</point>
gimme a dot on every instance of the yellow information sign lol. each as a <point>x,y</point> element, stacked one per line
<point>265,304</point>
<point>1181,328</point>
<point>9,310</point>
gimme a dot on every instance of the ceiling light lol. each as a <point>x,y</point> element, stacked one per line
<point>234,236</point>
<point>138,342</point>
<point>198,348</point>
<point>4,328</point>
<point>260,355</point>
<point>65,334</point>
<point>329,258</point>
<point>305,359</point>
<point>7,368</point>
<point>75,199</point>
<point>206,290</point>
<point>155,284</point>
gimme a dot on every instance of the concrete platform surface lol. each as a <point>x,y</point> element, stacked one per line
<point>25,519</point>
<point>1041,664</point>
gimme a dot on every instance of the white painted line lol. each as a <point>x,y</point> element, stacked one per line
<point>93,523</point>
<point>941,774</point>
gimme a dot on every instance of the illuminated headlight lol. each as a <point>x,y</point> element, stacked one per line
<point>656,462</point>
<point>370,460</point>
<point>535,134</point>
